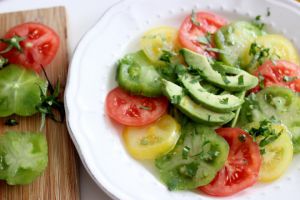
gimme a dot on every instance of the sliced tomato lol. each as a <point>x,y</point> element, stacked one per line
<point>154,140</point>
<point>190,32</point>
<point>281,73</point>
<point>242,167</point>
<point>134,110</point>
<point>39,47</point>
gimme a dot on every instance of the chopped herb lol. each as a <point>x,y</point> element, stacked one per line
<point>206,40</point>
<point>261,79</point>
<point>268,12</point>
<point>176,99</point>
<point>289,78</point>
<point>224,101</point>
<point>196,79</point>
<point>189,170</point>
<point>194,19</point>
<point>185,152</point>
<point>3,61</point>
<point>241,80</point>
<point>144,108</point>
<point>208,118</point>
<point>265,133</point>
<point>225,79</point>
<point>13,42</point>
<point>11,122</point>
<point>257,22</point>
<point>51,103</point>
<point>216,50</point>
<point>208,153</point>
<point>166,56</point>
<point>242,138</point>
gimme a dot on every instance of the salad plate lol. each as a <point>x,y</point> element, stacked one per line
<point>92,75</point>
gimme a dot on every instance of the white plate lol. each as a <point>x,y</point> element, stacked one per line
<point>92,75</point>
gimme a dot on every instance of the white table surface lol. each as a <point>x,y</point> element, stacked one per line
<point>82,15</point>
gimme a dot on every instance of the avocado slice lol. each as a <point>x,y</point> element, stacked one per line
<point>194,111</point>
<point>218,103</point>
<point>226,77</point>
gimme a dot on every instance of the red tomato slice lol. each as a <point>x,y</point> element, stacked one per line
<point>189,32</point>
<point>39,47</point>
<point>242,167</point>
<point>134,110</point>
<point>281,73</point>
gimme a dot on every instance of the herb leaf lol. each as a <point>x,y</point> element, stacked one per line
<point>13,42</point>
<point>176,99</point>
<point>11,122</point>
<point>261,79</point>
<point>224,101</point>
<point>257,22</point>
<point>3,61</point>
<point>185,152</point>
<point>51,103</point>
<point>194,19</point>
<point>241,80</point>
<point>289,78</point>
<point>166,56</point>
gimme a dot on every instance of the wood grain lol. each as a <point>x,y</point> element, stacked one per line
<point>60,180</point>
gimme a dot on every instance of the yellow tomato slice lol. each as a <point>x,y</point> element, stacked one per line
<point>278,155</point>
<point>154,140</point>
<point>279,47</point>
<point>155,41</point>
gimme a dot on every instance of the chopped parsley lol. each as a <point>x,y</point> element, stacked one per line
<point>289,78</point>
<point>268,12</point>
<point>185,152</point>
<point>166,56</point>
<point>242,138</point>
<point>265,133</point>
<point>261,79</point>
<point>258,23</point>
<point>241,80</point>
<point>216,50</point>
<point>144,107</point>
<point>194,18</point>
<point>3,61</point>
<point>224,101</point>
<point>206,40</point>
<point>11,122</point>
<point>176,99</point>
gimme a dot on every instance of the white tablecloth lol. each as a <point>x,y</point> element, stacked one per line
<point>82,15</point>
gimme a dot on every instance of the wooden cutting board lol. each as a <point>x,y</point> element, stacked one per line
<point>60,180</point>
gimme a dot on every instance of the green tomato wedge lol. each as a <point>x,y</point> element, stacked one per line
<point>199,154</point>
<point>274,103</point>
<point>137,75</point>
<point>23,157</point>
<point>20,91</point>
<point>235,39</point>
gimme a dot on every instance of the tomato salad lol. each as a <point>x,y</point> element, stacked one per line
<point>212,104</point>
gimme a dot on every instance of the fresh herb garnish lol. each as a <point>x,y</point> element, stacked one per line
<point>216,50</point>
<point>194,19</point>
<point>189,170</point>
<point>241,80</point>
<point>268,12</point>
<point>258,23</point>
<point>144,107</point>
<point>242,138</point>
<point>260,54</point>
<point>289,78</point>
<point>11,122</point>
<point>265,134</point>
<point>51,103</point>
<point>176,99</point>
<point>3,61</point>
<point>208,118</point>
<point>185,152</point>
<point>208,153</point>
<point>13,42</point>
<point>206,40</point>
<point>166,56</point>
<point>224,101</point>
<point>261,79</point>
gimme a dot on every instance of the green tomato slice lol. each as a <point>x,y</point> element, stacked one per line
<point>20,91</point>
<point>23,157</point>
<point>195,160</point>
<point>277,103</point>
